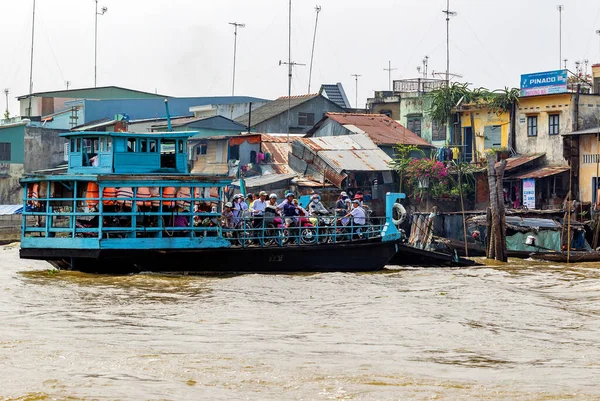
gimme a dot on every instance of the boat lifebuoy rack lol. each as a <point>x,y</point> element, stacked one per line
<point>398,214</point>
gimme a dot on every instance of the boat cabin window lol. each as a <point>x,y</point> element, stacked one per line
<point>89,151</point>
<point>143,145</point>
<point>180,147</point>
<point>167,153</point>
<point>105,145</point>
<point>130,144</point>
<point>152,146</point>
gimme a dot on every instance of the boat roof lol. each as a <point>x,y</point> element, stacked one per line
<point>87,134</point>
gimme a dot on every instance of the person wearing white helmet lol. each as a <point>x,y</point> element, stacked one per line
<point>357,215</point>
<point>341,208</point>
<point>239,206</point>
<point>315,207</point>
<point>258,209</point>
<point>227,216</point>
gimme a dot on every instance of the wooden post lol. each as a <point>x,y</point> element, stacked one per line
<point>497,226</point>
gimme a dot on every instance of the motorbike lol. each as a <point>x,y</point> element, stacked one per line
<point>274,227</point>
<point>324,223</point>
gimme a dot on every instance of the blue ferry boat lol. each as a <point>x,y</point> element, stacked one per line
<point>127,203</point>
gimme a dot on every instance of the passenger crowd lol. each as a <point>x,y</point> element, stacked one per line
<point>255,207</point>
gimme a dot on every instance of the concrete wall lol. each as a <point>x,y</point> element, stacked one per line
<point>278,124</point>
<point>564,106</point>
<point>418,105</point>
<point>542,107</point>
<point>10,190</point>
<point>14,135</point>
<point>245,150</point>
<point>43,148</point>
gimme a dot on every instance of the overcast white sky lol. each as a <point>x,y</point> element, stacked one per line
<point>185,47</point>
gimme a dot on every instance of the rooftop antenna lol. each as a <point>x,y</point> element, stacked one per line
<point>102,12</point>
<point>68,83</point>
<point>31,66</point>
<point>312,54</point>
<point>598,32</point>
<point>425,66</point>
<point>448,15</point>
<point>389,70</point>
<point>235,29</point>
<point>565,60</point>
<point>356,86</point>
<point>290,65</point>
<point>6,113</point>
<point>560,9</point>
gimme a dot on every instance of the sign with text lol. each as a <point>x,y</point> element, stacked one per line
<point>544,83</point>
<point>529,193</point>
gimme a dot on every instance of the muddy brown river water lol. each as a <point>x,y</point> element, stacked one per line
<point>521,331</point>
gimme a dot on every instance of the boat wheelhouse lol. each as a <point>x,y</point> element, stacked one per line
<point>128,203</point>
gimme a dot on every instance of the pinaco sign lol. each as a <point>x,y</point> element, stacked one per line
<point>544,83</point>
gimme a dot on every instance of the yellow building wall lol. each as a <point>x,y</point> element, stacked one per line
<point>542,107</point>
<point>589,165</point>
<point>483,117</point>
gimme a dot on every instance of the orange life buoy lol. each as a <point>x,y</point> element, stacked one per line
<point>169,192</point>
<point>109,194</point>
<point>143,193</point>
<point>122,195</point>
<point>184,195</point>
<point>91,194</point>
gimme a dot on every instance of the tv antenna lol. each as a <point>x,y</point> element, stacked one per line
<point>312,53</point>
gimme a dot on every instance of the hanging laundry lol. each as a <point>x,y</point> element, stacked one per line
<point>455,153</point>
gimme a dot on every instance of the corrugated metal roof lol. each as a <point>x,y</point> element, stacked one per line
<point>588,131</point>
<point>273,109</point>
<point>543,172</point>
<point>380,128</point>
<point>340,142</point>
<point>104,122</point>
<point>10,209</point>
<point>356,160</point>
<point>262,180</point>
<point>517,161</point>
<point>335,93</point>
<point>279,156</point>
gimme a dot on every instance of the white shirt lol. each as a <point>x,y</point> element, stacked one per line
<point>359,215</point>
<point>258,207</point>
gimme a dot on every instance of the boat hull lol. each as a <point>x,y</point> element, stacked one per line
<point>356,256</point>
<point>561,257</point>
<point>410,256</point>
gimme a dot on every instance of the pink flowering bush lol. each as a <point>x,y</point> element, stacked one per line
<point>428,177</point>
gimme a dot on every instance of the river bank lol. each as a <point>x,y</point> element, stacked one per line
<point>522,331</point>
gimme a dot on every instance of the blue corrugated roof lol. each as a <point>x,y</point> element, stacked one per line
<point>10,209</point>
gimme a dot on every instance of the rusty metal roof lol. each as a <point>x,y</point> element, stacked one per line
<point>356,160</point>
<point>340,142</point>
<point>518,161</point>
<point>542,172</point>
<point>279,156</point>
<point>349,152</point>
<point>380,128</point>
